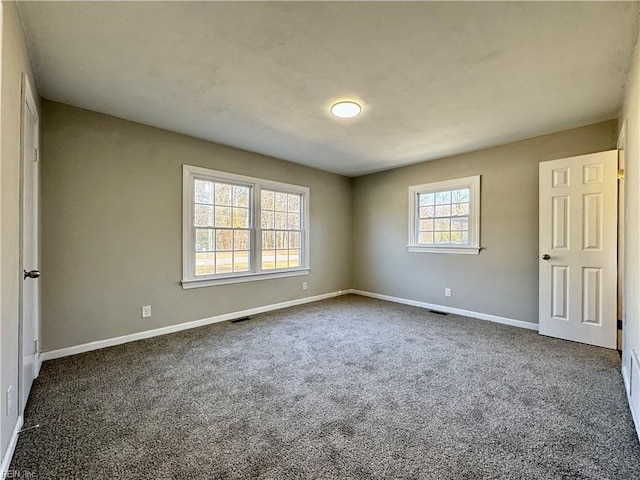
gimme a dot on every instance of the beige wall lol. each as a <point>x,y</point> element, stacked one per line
<point>112,226</point>
<point>630,121</point>
<point>15,61</point>
<point>503,279</point>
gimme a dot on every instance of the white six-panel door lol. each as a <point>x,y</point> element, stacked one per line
<point>578,248</point>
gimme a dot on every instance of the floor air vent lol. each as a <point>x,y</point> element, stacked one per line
<point>241,319</point>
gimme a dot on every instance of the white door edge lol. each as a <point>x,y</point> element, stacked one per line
<point>29,163</point>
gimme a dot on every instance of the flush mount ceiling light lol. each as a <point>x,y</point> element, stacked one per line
<point>345,109</point>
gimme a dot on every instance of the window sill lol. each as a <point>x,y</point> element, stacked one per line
<point>448,249</point>
<point>249,277</point>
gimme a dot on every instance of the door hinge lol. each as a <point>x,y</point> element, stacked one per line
<point>37,155</point>
<point>36,346</point>
<point>620,174</point>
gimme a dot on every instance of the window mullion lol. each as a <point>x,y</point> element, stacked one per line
<point>191,233</point>
<point>416,218</point>
<point>257,230</point>
<point>194,252</point>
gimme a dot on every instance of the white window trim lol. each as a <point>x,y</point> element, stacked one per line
<point>473,248</point>
<point>189,279</point>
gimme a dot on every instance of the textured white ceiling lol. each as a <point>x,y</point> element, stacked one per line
<point>435,79</point>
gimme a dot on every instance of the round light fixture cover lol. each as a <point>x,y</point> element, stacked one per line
<point>345,109</point>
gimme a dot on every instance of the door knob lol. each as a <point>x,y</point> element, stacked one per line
<point>32,274</point>
<point>546,256</point>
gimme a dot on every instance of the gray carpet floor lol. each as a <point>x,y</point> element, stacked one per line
<point>346,388</point>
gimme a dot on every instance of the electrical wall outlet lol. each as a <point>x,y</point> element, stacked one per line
<point>304,285</point>
<point>146,311</point>
<point>447,292</point>
<point>9,401</point>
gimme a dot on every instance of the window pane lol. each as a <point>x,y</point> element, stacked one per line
<point>294,203</point>
<point>443,197</point>
<point>281,220</point>
<point>240,217</point>
<point>205,240</point>
<point>205,263</point>
<point>427,212</point>
<point>457,238</point>
<point>281,202</point>
<point>268,259</point>
<point>224,240</point>
<point>268,199</point>
<point>442,237</point>
<point>223,194</point>
<point>443,211</point>
<point>282,258</point>
<point>240,196</point>
<point>267,220</point>
<point>443,224</point>
<point>294,258</point>
<point>223,216</point>
<point>460,209</point>
<point>425,237</point>
<point>282,240</point>
<point>241,240</point>
<point>294,240</point>
<point>426,225</point>
<point>293,221</point>
<point>203,216</point>
<point>460,224</point>
<point>461,195</point>
<point>224,262</point>
<point>268,240</point>
<point>241,261</point>
<point>426,199</point>
<point>203,191</point>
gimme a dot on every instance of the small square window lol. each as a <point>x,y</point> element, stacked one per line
<point>444,217</point>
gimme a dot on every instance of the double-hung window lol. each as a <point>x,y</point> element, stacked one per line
<point>238,228</point>
<point>444,217</point>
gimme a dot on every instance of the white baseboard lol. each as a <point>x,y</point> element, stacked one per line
<point>110,342</point>
<point>6,459</point>
<point>625,377</point>
<point>457,311</point>
<point>38,364</point>
<point>630,383</point>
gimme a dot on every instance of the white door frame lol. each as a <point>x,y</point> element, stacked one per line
<point>28,102</point>
<point>622,145</point>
